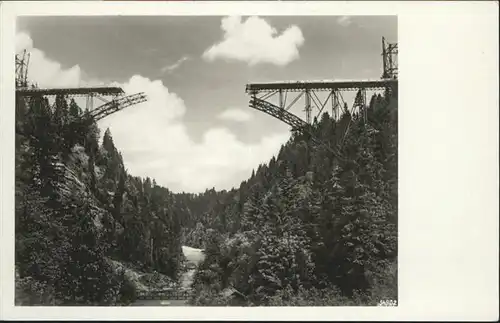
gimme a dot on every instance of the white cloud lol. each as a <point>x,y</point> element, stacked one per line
<point>172,67</point>
<point>344,21</point>
<point>238,115</point>
<point>23,41</point>
<point>155,143</point>
<point>255,41</point>
<point>44,71</point>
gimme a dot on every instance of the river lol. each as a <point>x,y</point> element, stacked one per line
<point>193,258</point>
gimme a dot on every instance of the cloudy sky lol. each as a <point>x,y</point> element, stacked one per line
<point>196,131</point>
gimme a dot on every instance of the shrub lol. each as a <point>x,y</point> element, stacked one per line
<point>314,297</point>
<point>31,292</point>
<point>210,297</point>
<point>127,293</point>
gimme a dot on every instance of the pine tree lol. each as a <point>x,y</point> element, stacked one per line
<point>74,110</point>
<point>107,142</point>
<point>87,277</point>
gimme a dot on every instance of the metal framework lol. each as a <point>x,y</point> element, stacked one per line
<point>79,91</point>
<point>310,91</point>
<point>289,118</point>
<point>117,105</point>
<point>322,85</point>
<point>314,103</point>
<point>22,62</point>
<point>118,101</point>
<point>390,60</point>
<point>278,112</point>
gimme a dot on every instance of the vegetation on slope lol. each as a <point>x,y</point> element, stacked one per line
<point>77,208</point>
<point>308,228</point>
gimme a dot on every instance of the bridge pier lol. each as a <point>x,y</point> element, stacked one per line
<point>89,102</point>
<point>308,106</point>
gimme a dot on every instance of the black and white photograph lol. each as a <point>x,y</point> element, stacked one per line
<point>241,160</point>
<point>247,161</point>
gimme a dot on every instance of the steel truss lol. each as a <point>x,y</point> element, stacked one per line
<point>78,91</point>
<point>25,90</point>
<point>295,122</point>
<point>278,112</point>
<point>390,60</point>
<point>314,105</point>
<point>117,105</point>
<point>22,62</point>
<point>261,93</point>
<point>117,102</point>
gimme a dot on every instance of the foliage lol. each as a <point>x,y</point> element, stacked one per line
<point>76,205</point>
<point>327,226</point>
<point>308,228</point>
<point>33,292</point>
<point>127,292</point>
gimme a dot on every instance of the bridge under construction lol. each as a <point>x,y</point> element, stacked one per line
<point>263,94</point>
<point>268,97</point>
<point>113,99</point>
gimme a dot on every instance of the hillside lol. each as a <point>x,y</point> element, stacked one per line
<point>307,223</point>
<point>311,227</point>
<point>78,211</point>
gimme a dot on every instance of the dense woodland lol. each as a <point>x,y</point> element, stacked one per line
<point>310,227</point>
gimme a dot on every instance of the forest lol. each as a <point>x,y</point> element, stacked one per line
<point>313,226</point>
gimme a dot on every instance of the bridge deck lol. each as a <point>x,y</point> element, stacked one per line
<point>321,85</point>
<point>166,295</point>
<point>70,91</point>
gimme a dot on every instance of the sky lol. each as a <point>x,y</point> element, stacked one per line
<point>196,130</point>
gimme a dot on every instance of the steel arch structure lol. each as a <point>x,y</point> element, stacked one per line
<point>117,102</point>
<point>117,105</point>
<point>277,112</point>
<point>262,92</point>
<point>309,90</point>
<point>295,122</point>
<point>113,97</point>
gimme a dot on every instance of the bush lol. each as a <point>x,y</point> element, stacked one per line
<point>31,292</point>
<point>384,287</point>
<point>210,297</point>
<point>127,293</point>
<point>286,297</point>
<point>316,297</point>
<point>207,297</point>
<point>385,284</point>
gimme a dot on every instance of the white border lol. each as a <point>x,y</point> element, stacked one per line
<point>448,159</point>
